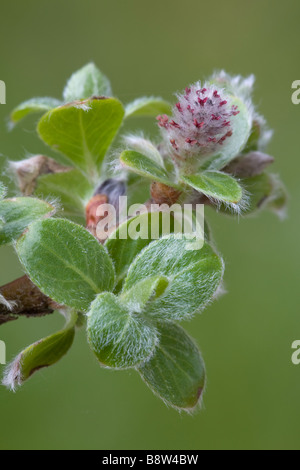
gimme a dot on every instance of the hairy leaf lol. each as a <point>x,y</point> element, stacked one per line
<point>44,353</point>
<point>142,292</point>
<point>85,83</point>
<point>176,371</point>
<point>216,185</point>
<point>145,147</point>
<point>66,262</point>
<point>193,276</point>
<point>71,189</point>
<point>33,106</point>
<point>146,167</point>
<point>83,131</point>
<point>148,107</point>
<point>123,247</point>
<point>259,188</point>
<point>16,214</point>
<point>119,337</point>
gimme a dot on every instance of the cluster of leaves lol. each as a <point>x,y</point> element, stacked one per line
<point>132,292</point>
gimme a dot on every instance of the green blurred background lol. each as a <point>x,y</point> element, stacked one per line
<point>158,47</point>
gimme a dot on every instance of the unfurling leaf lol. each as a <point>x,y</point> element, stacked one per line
<point>216,185</point>
<point>145,147</point>
<point>176,371</point>
<point>66,262</point>
<point>259,189</point>
<point>33,106</point>
<point>123,247</point>
<point>85,83</point>
<point>16,214</point>
<point>151,107</point>
<point>71,189</point>
<point>146,167</point>
<point>142,292</point>
<point>119,337</point>
<point>83,131</point>
<point>44,353</point>
<point>193,277</point>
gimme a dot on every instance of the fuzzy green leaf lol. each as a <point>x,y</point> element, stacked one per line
<point>33,106</point>
<point>83,132</point>
<point>266,191</point>
<point>259,188</point>
<point>16,214</point>
<point>71,189</point>
<point>146,167</point>
<point>119,337</point>
<point>123,247</point>
<point>44,353</point>
<point>138,189</point>
<point>176,371</point>
<point>253,140</point>
<point>66,262</point>
<point>85,83</point>
<point>241,128</point>
<point>193,276</point>
<point>145,147</point>
<point>144,291</point>
<point>216,185</point>
<point>148,107</point>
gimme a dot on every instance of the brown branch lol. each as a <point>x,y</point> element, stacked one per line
<point>26,300</point>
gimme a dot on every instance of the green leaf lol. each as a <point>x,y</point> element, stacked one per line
<point>148,107</point>
<point>193,276</point>
<point>33,106</point>
<point>241,128</point>
<point>138,189</point>
<point>85,83</point>
<point>18,213</point>
<point>216,185</point>
<point>176,371</point>
<point>123,247</point>
<point>145,290</point>
<point>72,190</point>
<point>66,262</point>
<point>145,147</point>
<point>44,353</point>
<point>266,191</point>
<point>2,190</point>
<point>253,140</point>
<point>119,337</point>
<point>146,167</point>
<point>83,132</point>
<point>259,189</point>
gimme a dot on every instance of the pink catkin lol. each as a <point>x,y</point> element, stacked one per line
<point>200,123</point>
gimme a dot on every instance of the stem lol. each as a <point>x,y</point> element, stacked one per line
<point>26,300</point>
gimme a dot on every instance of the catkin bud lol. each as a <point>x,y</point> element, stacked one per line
<point>200,123</point>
